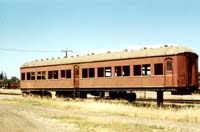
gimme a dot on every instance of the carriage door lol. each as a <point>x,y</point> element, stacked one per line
<point>191,67</point>
<point>169,80</point>
<point>76,76</point>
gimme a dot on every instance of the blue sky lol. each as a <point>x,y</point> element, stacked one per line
<point>87,25</point>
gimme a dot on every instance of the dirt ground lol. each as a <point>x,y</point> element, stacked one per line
<point>18,117</point>
<point>24,118</point>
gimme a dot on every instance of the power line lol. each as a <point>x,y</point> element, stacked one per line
<point>24,50</point>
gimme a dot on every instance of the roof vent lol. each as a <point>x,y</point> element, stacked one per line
<point>165,45</point>
<point>109,52</point>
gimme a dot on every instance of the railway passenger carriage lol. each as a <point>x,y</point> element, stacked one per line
<point>169,68</point>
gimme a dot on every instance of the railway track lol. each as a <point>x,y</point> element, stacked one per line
<point>180,101</point>
<point>146,101</point>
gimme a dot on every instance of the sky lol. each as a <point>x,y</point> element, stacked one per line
<point>91,26</point>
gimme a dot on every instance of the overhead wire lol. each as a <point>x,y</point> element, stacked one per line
<point>25,50</point>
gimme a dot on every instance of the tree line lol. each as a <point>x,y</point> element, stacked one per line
<point>8,83</point>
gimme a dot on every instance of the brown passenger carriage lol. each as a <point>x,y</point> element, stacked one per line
<point>172,68</point>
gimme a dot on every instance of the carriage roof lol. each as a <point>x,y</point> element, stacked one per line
<point>150,52</point>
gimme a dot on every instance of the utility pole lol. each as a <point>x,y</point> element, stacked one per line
<point>66,52</point>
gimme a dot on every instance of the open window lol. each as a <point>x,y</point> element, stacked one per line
<point>146,69</point>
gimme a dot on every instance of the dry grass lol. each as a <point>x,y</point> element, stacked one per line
<point>102,125</point>
<point>116,116</point>
<point>183,114</point>
<point>167,95</point>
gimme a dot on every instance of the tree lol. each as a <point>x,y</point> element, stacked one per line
<point>14,79</point>
<point>1,76</point>
<point>7,83</point>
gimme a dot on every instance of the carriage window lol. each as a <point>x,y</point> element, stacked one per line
<point>100,72</point>
<point>50,74</point>
<point>169,65</point>
<point>107,71</point>
<point>62,73</point>
<point>28,76</point>
<point>146,69</point>
<point>32,75</point>
<point>76,68</point>
<point>158,68</point>
<point>137,70</point>
<point>84,73</point>
<point>65,74</point>
<point>43,75</point>
<point>91,72</point>
<point>126,71</point>
<point>39,75</point>
<point>22,76</point>
<point>118,71</point>
<point>68,74</point>
<point>55,74</point>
